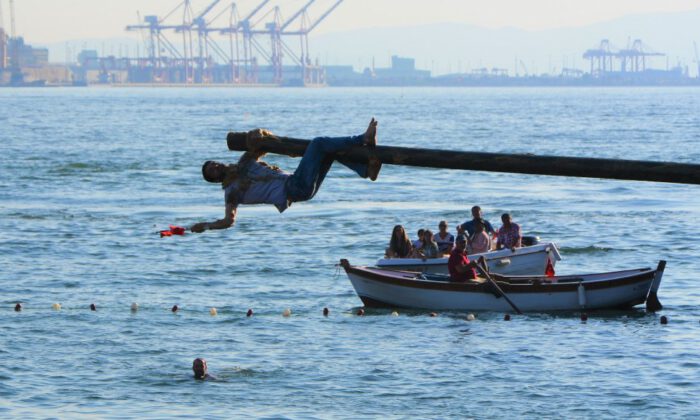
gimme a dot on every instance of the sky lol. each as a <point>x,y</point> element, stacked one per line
<point>51,21</point>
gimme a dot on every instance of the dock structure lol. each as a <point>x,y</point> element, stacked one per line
<point>632,59</point>
<point>257,37</point>
<point>672,172</point>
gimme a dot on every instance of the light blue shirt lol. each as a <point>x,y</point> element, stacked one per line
<point>267,187</point>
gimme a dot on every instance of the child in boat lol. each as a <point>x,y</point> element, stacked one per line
<point>251,181</point>
<point>430,247</point>
<point>399,245</point>
<point>418,243</point>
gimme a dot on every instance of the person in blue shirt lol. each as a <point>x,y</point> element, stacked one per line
<point>468,226</point>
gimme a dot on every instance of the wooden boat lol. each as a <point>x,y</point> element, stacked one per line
<point>400,289</point>
<point>531,260</point>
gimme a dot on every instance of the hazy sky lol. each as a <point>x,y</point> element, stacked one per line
<point>45,21</point>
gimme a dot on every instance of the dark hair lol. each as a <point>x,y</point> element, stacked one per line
<point>199,367</point>
<point>204,171</point>
<point>402,246</point>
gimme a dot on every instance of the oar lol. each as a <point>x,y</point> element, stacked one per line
<point>485,273</point>
<point>682,173</point>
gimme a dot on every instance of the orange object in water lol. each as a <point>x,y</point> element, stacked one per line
<point>177,230</point>
<point>549,271</point>
<point>174,230</point>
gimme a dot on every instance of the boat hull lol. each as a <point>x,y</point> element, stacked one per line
<point>393,289</point>
<point>526,260</point>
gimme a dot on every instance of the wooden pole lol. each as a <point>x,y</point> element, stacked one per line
<point>481,266</point>
<point>680,173</point>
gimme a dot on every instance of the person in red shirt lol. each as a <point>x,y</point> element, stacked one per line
<point>459,266</point>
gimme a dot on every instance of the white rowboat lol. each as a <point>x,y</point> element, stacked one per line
<point>525,260</point>
<point>397,289</point>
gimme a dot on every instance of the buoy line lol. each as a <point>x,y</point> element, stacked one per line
<point>287,312</point>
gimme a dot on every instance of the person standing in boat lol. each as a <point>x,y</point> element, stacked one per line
<point>444,239</point>
<point>399,245</point>
<point>459,266</point>
<point>468,226</point>
<point>509,234</point>
<point>251,181</point>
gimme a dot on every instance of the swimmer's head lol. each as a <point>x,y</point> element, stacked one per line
<point>199,367</point>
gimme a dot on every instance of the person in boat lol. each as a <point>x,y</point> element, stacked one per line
<point>468,226</point>
<point>199,367</point>
<point>399,245</point>
<point>430,247</point>
<point>459,266</point>
<point>444,239</point>
<point>251,181</point>
<point>509,234</point>
<point>479,242</point>
<point>418,243</point>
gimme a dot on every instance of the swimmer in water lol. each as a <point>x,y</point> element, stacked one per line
<point>199,367</point>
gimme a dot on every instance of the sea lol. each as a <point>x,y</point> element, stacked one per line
<point>89,176</point>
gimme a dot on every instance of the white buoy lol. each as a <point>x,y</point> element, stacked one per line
<point>581,295</point>
<point>394,313</point>
<point>134,307</point>
<point>471,317</point>
<point>212,312</point>
<point>56,306</point>
<point>287,312</point>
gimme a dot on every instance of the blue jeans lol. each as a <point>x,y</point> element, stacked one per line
<point>315,164</point>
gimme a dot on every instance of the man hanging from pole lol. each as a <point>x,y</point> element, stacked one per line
<point>252,181</point>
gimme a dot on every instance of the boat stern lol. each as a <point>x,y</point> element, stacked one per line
<point>652,302</point>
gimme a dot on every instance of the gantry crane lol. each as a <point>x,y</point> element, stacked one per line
<point>243,35</point>
<point>3,42</point>
<point>635,56</point>
<point>697,57</point>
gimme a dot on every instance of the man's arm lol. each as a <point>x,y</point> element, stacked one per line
<point>225,223</point>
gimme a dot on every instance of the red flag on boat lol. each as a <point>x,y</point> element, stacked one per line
<point>549,271</point>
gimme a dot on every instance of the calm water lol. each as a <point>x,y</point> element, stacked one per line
<point>89,176</point>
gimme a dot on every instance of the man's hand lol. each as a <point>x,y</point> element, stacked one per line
<point>199,227</point>
<point>255,136</point>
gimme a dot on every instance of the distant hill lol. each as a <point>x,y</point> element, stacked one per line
<point>454,47</point>
<point>442,47</point>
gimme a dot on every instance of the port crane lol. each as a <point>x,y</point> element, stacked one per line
<point>697,57</point>
<point>244,34</point>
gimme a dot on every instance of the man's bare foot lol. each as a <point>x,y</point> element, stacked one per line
<point>371,134</point>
